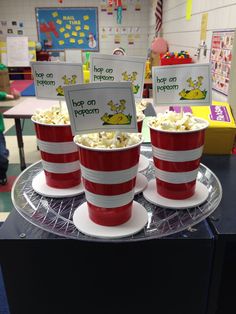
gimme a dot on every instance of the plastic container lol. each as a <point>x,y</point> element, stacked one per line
<point>172,61</point>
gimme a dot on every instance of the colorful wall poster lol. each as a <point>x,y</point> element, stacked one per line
<point>51,77</point>
<point>220,59</point>
<point>101,107</point>
<point>182,84</point>
<point>63,28</point>
<point>105,68</point>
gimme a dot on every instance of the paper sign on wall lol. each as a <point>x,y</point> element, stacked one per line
<point>17,51</point>
<point>73,55</point>
<point>101,107</point>
<point>182,84</point>
<point>49,78</point>
<point>107,68</point>
<point>204,26</point>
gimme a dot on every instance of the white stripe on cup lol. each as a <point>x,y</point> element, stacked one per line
<point>109,177</point>
<point>109,201</point>
<point>176,177</point>
<point>57,147</point>
<point>61,167</point>
<point>177,156</point>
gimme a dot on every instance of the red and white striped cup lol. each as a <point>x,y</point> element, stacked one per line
<point>109,177</point>
<point>60,155</point>
<point>140,125</point>
<point>176,157</point>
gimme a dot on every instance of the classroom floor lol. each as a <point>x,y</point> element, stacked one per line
<point>31,155</point>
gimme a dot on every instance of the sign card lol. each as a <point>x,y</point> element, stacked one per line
<point>50,77</point>
<point>107,68</point>
<point>17,51</point>
<point>100,107</point>
<point>182,84</point>
<point>73,55</point>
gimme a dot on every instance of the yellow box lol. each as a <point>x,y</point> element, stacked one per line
<point>86,76</point>
<point>220,134</point>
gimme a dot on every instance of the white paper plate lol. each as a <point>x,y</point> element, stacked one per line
<point>85,225</point>
<point>141,183</point>
<point>143,163</point>
<point>40,186</point>
<point>199,197</point>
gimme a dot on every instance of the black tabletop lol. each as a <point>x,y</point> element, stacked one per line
<point>223,220</point>
<point>16,227</point>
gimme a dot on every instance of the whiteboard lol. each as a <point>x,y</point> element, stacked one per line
<point>73,55</point>
<point>17,51</point>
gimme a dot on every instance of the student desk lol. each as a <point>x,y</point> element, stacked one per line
<point>24,110</point>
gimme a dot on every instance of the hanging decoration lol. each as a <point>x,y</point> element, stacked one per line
<point>103,5</point>
<point>130,39</point>
<point>188,10</point>
<point>119,11</point>
<point>137,6</point>
<point>117,39</point>
<point>117,7</point>
<point>124,5</point>
<point>110,10</point>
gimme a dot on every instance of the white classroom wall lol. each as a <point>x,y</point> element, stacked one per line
<point>152,20</point>
<point>185,35</point>
<point>179,33</point>
<point>24,11</point>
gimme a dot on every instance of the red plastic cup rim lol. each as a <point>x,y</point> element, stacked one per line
<point>140,120</point>
<point>101,149</point>
<point>184,131</point>
<point>50,125</point>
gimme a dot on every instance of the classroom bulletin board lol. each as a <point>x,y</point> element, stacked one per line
<point>220,59</point>
<point>67,28</point>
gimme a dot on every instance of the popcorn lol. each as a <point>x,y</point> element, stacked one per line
<point>173,121</point>
<point>108,139</point>
<point>140,107</point>
<point>55,115</point>
<point>140,115</point>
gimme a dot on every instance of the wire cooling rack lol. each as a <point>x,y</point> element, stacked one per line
<point>55,214</point>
